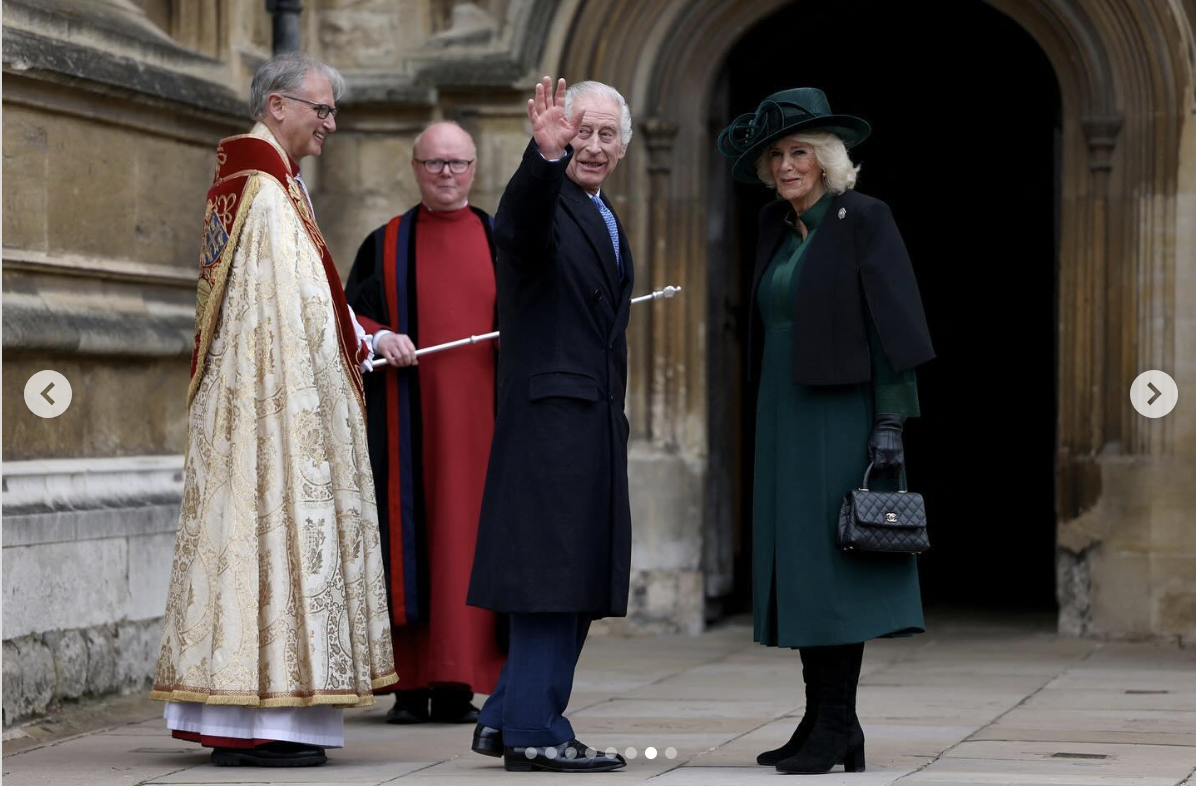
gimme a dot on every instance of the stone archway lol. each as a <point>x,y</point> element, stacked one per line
<point>1125,72</point>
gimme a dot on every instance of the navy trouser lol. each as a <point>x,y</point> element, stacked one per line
<point>534,687</point>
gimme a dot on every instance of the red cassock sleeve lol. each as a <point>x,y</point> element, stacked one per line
<point>371,326</point>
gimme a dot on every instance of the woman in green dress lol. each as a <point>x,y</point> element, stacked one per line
<point>837,329</point>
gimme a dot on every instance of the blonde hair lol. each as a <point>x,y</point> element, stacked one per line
<point>838,171</point>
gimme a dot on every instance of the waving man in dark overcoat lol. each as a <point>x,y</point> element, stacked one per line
<point>554,540</point>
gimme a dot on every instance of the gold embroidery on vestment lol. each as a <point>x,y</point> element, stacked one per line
<point>277,595</point>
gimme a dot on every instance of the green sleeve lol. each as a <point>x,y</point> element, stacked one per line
<point>895,392</point>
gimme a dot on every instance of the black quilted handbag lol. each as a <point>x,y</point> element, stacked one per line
<point>889,521</point>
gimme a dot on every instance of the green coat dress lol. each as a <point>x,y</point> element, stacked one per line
<point>811,449</point>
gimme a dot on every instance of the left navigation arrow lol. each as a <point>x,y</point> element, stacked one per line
<point>38,390</point>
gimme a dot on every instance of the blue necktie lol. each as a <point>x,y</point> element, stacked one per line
<point>612,228</point>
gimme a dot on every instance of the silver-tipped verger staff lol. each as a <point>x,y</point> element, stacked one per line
<point>667,292</point>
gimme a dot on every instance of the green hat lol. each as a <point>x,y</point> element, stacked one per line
<point>779,115</point>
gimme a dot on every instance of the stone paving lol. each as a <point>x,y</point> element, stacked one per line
<point>985,702</point>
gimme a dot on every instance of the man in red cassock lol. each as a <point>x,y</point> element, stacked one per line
<point>424,278</point>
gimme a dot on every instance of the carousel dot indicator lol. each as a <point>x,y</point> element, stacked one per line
<point>570,753</point>
<point>650,753</point>
<point>550,752</point>
<point>670,752</point>
<point>591,753</point>
<point>631,753</point>
<point>529,752</point>
<point>612,751</point>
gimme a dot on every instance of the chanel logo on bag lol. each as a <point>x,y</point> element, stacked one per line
<point>891,518</point>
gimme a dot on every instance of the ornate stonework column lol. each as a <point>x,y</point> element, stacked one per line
<point>662,360</point>
<point>1104,284</point>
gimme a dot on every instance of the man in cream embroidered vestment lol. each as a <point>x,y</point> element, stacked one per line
<point>276,617</point>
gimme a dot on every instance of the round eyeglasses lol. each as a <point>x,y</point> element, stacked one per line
<point>436,165</point>
<point>322,110</point>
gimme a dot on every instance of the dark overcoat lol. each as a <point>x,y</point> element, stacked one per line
<point>555,529</point>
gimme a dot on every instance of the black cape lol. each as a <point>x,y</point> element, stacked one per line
<point>856,268</point>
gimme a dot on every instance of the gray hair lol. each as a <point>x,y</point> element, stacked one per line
<point>840,174</point>
<point>598,90</point>
<point>285,73</point>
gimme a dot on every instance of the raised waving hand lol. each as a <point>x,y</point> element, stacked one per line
<point>551,128</point>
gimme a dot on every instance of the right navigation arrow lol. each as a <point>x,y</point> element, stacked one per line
<point>1157,393</point>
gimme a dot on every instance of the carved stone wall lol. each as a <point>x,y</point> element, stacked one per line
<point>111,113</point>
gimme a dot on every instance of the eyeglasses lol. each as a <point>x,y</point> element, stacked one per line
<point>322,110</point>
<point>436,165</point>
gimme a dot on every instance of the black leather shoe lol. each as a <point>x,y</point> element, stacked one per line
<point>487,740</point>
<point>452,705</point>
<point>271,754</point>
<point>571,756</point>
<point>466,714</point>
<point>411,706</point>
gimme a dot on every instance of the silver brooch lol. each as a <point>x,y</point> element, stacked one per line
<point>842,212</point>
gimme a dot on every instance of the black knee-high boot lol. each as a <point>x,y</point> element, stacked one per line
<point>809,674</point>
<point>836,736</point>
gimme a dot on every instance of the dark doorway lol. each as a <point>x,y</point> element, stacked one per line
<point>965,111</point>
